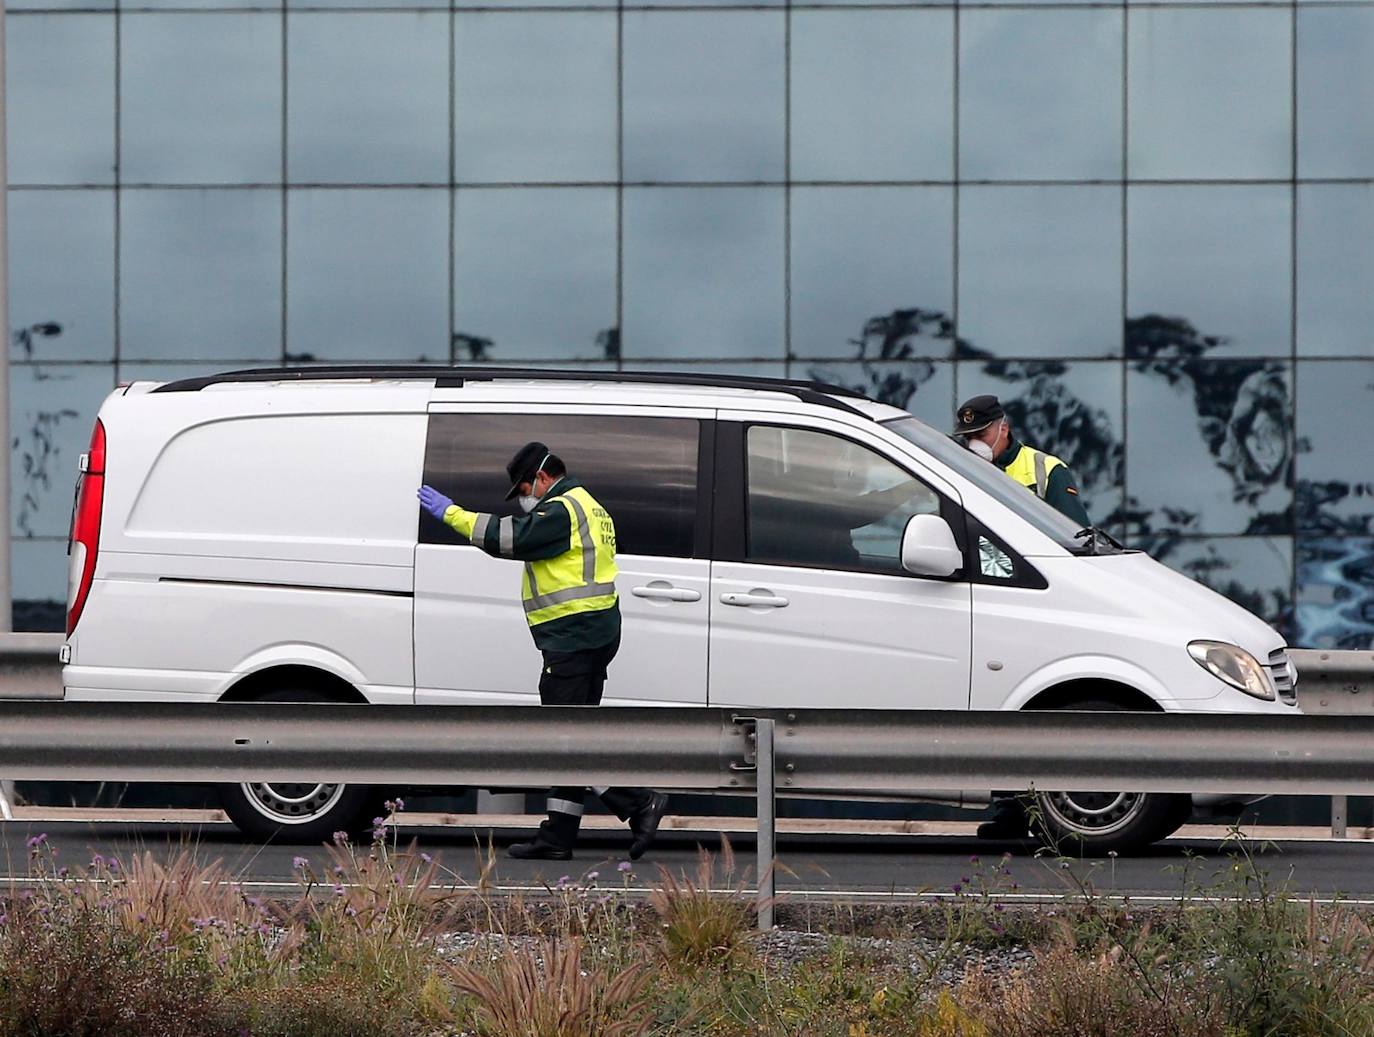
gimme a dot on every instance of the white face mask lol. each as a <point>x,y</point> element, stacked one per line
<point>527,503</point>
<point>980,448</point>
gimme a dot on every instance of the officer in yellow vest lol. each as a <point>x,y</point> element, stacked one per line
<point>982,424</point>
<point>567,541</point>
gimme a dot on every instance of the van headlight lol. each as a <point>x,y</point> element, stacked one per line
<point>1235,666</point>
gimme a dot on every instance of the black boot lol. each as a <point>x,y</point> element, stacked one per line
<point>1009,820</point>
<point>539,849</point>
<point>644,824</point>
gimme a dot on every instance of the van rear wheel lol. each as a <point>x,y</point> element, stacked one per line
<point>1094,824</point>
<point>298,812</point>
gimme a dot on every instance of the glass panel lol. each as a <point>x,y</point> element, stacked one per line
<point>61,275</point>
<point>52,412</point>
<point>703,273</point>
<point>1335,482</point>
<point>1335,270</point>
<point>872,95</point>
<point>201,98</point>
<point>368,101</point>
<point>1073,411</point>
<point>536,97</point>
<point>1254,572</point>
<point>1335,593</point>
<point>1040,270</point>
<point>39,584</point>
<point>872,272</point>
<point>200,275</point>
<point>1335,91</point>
<point>1040,94</point>
<point>535,272</point>
<point>643,470</point>
<point>1210,93</point>
<point>1211,446</point>
<point>367,275</point>
<point>925,388</point>
<point>703,95</point>
<point>60,82</point>
<point>824,502</point>
<point>1209,271</point>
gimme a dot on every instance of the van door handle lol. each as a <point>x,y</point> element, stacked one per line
<point>662,592</point>
<point>757,599</point>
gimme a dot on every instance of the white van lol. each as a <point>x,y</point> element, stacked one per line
<point>255,536</point>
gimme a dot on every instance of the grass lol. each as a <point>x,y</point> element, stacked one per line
<point>382,940</point>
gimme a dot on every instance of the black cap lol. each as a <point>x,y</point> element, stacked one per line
<point>976,414</point>
<point>524,465</point>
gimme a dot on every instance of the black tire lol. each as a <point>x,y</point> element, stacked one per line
<point>299,812</point>
<point>1094,824</point>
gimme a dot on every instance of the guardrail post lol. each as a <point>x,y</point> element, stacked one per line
<point>1338,816</point>
<point>767,789</point>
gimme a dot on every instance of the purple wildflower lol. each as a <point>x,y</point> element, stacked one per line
<point>623,866</point>
<point>299,863</point>
<point>35,841</point>
<point>426,858</point>
<point>957,888</point>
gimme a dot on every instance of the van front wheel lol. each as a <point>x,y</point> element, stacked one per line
<point>298,812</point>
<point>1094,824</point>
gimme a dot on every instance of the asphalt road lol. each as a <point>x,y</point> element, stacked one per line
<point>863,868</point>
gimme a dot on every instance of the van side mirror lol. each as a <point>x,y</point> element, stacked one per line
<point>928,547</point>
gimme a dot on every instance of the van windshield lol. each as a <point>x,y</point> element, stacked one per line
<point>989,478</point>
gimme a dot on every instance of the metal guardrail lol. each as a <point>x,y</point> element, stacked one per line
<point>810,750</point>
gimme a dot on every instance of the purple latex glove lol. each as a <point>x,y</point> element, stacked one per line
<point>434,502</point>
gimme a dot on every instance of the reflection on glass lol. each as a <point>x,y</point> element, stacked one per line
<point>61,255</point>
<point>200,98</point>
<point>823,501</point>
<point>536,97</point>
<point>200,274</point>
<point>703,272</point>
<point>1040,94</point>
<point>368,101</point>
<point>1211,446</point>
<point>1071,410</point>
<point>872,95</point>
<point>367,274</point>
<point>39,584</point>
<point>872,254</point>
<point>1335,490</point>
<point>52,412</point>
<point>1254,572</point>
<point>1335,91</point>
<point>1218,260</point>
<point>1210,93</point>
<point>59,82</point>
<point>1040,270</point>
<point>703,95</point>
<point>924,388</point>
<point>535,271</point>
<point>1335,270</point>
<point>1335,607</point>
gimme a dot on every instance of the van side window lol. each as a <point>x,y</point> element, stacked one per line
<point>644,470</point>
<point>827,502</point>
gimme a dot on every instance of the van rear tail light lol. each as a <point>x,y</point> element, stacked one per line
<point>85,539</point>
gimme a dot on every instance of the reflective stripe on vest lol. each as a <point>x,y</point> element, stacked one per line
<point>1032,468</point>
<point>581,579</point>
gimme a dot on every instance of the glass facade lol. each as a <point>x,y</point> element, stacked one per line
<point>1148,227</point>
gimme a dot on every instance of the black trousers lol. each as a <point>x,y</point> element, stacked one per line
<point>578,679</point>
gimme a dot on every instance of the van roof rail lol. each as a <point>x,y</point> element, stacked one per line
<point>821,393</point>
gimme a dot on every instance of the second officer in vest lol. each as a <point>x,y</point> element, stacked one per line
<point>982,424</point>
<point>567,541</point>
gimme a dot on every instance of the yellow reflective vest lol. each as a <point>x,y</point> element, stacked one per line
<point>582,578</point>
<point>1032,468</point>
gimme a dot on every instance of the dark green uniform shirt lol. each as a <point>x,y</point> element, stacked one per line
<point>546,532</point>
<point>1061,490</point>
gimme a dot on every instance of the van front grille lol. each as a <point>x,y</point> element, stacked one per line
<point>1285,675</point>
